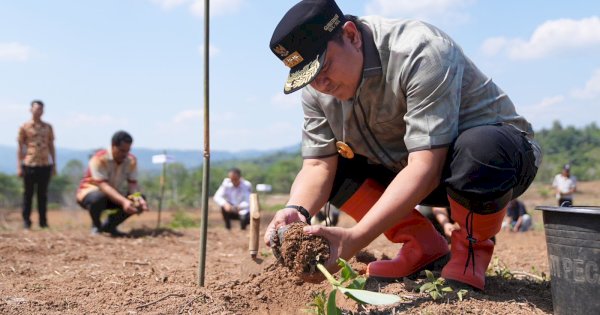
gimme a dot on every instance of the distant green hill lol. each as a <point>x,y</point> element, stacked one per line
<point>578,147</point>
<point>189,158</point>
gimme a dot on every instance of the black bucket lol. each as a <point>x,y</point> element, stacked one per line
<point>573,238</point>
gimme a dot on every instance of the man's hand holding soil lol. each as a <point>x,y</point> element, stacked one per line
<point>343,243</point>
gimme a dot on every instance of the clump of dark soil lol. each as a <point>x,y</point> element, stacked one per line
<point>301,252</point>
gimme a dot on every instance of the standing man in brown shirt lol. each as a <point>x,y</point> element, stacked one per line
<point>36,162</point>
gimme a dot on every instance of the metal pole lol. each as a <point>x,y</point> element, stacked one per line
<point>163,179</point>
<point>206,164</point>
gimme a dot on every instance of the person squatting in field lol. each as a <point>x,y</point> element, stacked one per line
<point>233,196</point>
<point>396,115</point>
<point>110,183</point>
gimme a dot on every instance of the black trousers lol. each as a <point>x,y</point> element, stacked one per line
<point>228,216</point>
<point>36,178</point>
<point>486,167</point>
<point>97,202</point>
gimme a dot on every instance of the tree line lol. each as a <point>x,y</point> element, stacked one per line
<point>579,147</point>
<point>182,185</point>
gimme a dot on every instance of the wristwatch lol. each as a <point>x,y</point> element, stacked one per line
<point>302,211</point>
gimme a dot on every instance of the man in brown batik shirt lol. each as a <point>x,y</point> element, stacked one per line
<point>36,162</point>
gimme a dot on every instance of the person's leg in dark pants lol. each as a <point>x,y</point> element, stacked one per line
<point>113,220</point>
<point>228,216</point>
<point>244,220</point>
<point>43,179</point>
<point>96,202</point>
<point>28,182</point>
<point>489,166</point>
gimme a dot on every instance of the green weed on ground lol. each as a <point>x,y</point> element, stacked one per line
<point>181,219</point>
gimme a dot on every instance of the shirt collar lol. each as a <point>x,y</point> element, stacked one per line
<point>110,154</point>
<point>372,63</point>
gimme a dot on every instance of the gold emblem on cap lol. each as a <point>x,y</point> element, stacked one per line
<point>302,77</point>
<point>344,150</point>
<point>293,59</point>
<point>280,50</point>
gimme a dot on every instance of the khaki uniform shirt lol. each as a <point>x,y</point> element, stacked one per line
<point>103,168</point>
<point>37,138</point>
<point>418,91</point>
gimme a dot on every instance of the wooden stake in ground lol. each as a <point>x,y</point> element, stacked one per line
<point>252,264</point>
<point>254,225</point>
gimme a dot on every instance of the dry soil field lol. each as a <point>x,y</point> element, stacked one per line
<point>65,270</point>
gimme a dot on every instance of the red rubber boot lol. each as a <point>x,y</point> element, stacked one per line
<point>422,243</point>
<point>471,249</point>
<point>422,246</point>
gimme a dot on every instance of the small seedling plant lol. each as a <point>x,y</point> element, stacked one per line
<point>351,285</point>
<point>437,290</point>
<point>499,269</point>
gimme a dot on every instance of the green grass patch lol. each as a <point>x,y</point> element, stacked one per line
<point>181,219</point>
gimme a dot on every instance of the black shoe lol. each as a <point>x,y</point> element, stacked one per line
<point>116,233</point>
<point>113,231</point>
<point>44,226</point>
<point>27,225</point>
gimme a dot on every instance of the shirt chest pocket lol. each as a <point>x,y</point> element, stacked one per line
<point>388,108</point>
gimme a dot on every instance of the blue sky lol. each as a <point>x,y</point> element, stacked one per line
<point>136,65</point>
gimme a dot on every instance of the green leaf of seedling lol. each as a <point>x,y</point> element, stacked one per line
<point>427,287</point>
<point>461,293</point>
<point>332,309</point>
<point>358,283</point>
<point>447,289</point>
<point>369,297</point>
<point>430,276</point>
<point>347,272</point>
<point>327,275</point>
<point>435,295</point>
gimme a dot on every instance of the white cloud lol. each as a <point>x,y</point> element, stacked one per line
<point>284,101</point>
<point>428,10</point>
<point>196,117</point>
<point>196,7</point>
<point>14,52</point>
<point>258,137</point>
<point>12,115</point>
<point>545,111</point>
<point>549,102</point>
<point>169,4</point>
<point>7,110</point>
<point>187,115</point>
<point>217,7</point>
<point>89,120</point>
<point>212,50</point>
<point>493,46</point>
<point>591,89</point>
<point>552,37</point>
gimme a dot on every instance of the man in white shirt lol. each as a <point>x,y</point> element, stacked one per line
<point>234,198</point>
<point>565,185</point>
